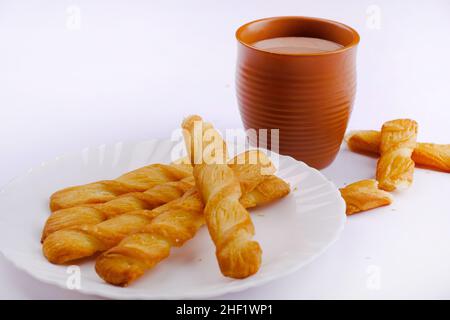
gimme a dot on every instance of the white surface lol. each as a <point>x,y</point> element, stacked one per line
<point>132,71</point>
<point>312,218</point>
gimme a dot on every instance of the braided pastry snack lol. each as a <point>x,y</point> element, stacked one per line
<point>364,141</point>
<point>96,213</point>
<point>395,167</point>
<point>139,252</point>
<point>154,197</point>
<point>229,223</point>
<point>84,240</point>
<point>364,195</point>
<point>430,155</point>
<point>135,181</point>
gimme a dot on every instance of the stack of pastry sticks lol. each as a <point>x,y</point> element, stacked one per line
<point>134,220</point>
<point>398,154</point>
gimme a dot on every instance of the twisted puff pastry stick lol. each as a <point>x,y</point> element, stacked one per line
<point>431,155</point>
<point>135,181</point>
<point>139,252</point>
<point>364,195</point>
<point>229,223</point>
<point>96,213</point>
<point>83,241</point>
<point>154,197</point>
<point>395,167</point>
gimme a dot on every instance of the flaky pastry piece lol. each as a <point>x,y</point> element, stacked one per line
<point>96,213</point>
<point>430,155</point>
<point>135,181</point>
<point>250,164</point>
<point>155,196</point>
<point>436,156</point>
<point>229,223</point>
<point>364,141</point>
<point>82,241</point>
<point>364,195</point>
<point>139,252</point>
<point>395,167</point>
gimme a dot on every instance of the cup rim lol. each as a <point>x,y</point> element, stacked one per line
<point>352,44</point>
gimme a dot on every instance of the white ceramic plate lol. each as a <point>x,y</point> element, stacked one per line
<point>292,232</point>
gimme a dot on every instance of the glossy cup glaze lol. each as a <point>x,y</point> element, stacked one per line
<point>309,97</point>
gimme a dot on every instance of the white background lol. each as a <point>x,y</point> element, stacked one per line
<point>131,70</point>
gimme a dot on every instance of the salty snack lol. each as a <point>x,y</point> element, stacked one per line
<point>229,223</point>
<point>139,252</point>
<point>430,155</point>
<point>85,240</point>
<point>135,181</point>
<point>155,196</point>
<point>364,195</point>
<point>436,156</point>
<point>137,218</point>
<point>395,167</point>
<point>96,213</point>
<point>364,141</point>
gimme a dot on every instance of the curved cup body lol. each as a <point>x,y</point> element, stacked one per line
<point>308,97</point>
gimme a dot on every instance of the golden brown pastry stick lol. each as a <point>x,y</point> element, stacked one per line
<point>135,181</point>
<point>82,241</point>
<point>395,167</point>
<point>96,213</point>
<point>154,197</point>
<point>229,223</point>
<point>139,252</point>
<point>364,141</point>
<point>364,195</point>
<point>430,155</point>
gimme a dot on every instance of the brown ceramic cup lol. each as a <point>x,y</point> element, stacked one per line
<point>308,97</point>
